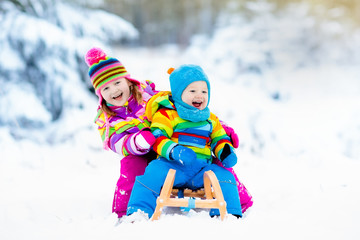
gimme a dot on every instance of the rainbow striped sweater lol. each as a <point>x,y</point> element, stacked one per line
<point>130,119</point>
<point>205,137</point>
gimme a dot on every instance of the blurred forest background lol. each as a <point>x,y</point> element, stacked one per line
<point>173,21</point>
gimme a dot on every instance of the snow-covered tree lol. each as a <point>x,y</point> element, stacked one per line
<point>42,70</point>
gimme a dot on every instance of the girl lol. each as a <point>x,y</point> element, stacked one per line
<point>120,120</point>
<point>123,126</point>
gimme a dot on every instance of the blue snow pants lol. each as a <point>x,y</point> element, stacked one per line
<point>148,186</point>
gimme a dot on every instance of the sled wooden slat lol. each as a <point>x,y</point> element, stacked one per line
<point>209,197</point>
<point>200,193</point>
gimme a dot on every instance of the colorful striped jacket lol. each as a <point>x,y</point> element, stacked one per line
<point>129,120</point>
<point>205,137</point>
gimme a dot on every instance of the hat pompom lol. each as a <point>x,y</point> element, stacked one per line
<point>170,70</point>
<point>94,55</point>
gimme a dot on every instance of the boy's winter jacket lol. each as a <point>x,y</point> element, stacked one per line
<point>170,130</point>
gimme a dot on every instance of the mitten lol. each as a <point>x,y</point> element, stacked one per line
<point>144,140</point>
<point>230,160</point>
<point>231,133</point>
<point>228,157</point>
<point>183,154</point>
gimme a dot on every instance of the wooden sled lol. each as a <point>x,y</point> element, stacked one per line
<point>210,196</point>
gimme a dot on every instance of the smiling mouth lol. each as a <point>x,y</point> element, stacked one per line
<point>118,97</point>
<point>196,104</point>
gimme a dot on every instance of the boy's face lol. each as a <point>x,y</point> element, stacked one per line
<point>196,95</point>
<point>117,92</point>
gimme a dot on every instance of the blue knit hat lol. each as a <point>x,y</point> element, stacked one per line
<point>182,77</point>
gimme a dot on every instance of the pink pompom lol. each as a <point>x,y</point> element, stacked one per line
<point>94,55</point>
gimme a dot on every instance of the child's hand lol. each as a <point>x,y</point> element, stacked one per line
<point>232,134</point>
<point>230,160</point>
<point>228,157</point>
<point>183,154</point>
<point>144,140</point>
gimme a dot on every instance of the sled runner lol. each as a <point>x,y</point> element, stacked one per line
<point>210,196</point>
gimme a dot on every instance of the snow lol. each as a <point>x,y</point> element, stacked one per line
<point>32,102</point>
<point>43,49</point>
<point>299,153</point>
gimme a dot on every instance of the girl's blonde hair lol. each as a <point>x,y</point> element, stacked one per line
<point>135,92</point>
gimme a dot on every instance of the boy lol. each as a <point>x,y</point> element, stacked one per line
<point>186,136</point>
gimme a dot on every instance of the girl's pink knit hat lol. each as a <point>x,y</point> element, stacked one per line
<point>104,69</point>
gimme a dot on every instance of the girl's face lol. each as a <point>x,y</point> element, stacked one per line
<point>117,92</point>
<point>196,95</point>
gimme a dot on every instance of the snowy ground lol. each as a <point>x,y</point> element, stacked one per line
<point>303,185</point>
